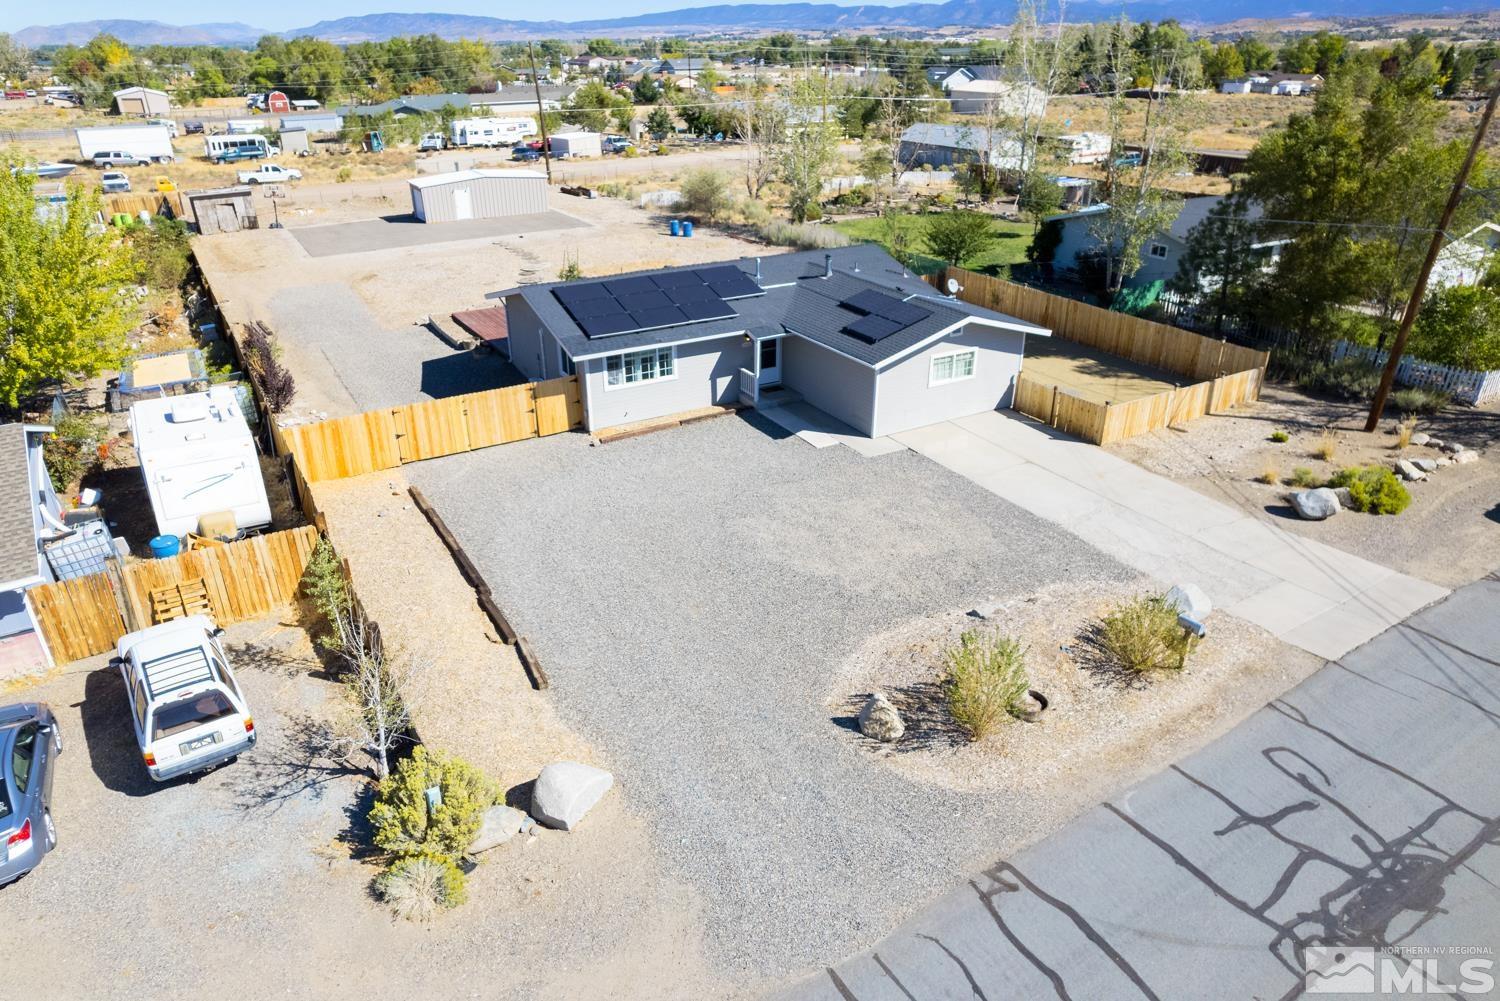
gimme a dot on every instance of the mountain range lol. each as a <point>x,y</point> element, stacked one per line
<point>724,17</point>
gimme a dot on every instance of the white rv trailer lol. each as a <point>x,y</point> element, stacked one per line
<point>148,142</point>
<point>490,131</point>
<point>198,458</point>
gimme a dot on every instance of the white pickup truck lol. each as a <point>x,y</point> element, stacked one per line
<point>270,173</point>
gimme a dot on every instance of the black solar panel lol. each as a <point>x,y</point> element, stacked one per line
<point>602,326</point>
<point>904,313</point>
<point>648,318</point>
<point>607,306</point>
<point>629,286</point>
<point>645,300</point>
<point>875,303</point>
<point>729,282</point>
<point>868,301</point>
<point>692,293</point>
<point>570,294</point>
<point>873,328</point>
<point>714,309</point>
<point>676,279</point>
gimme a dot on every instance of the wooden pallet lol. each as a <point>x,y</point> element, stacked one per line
<point>177,601</point>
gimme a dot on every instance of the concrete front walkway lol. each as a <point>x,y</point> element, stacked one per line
<point>1310,595</point>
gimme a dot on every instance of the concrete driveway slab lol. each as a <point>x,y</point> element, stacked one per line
<point>1317,597</point>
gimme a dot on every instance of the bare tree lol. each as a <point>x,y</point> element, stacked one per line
<point>761,119</point>
<point>383,684</point>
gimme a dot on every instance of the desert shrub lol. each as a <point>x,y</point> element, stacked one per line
<point>403,824</point>
<point>1373,489</point>
<point>343,175</point>
<point>1280,437</point>
<point>802,236</point>
<point>1405,428</point>
<point>986,681</point>
<point>1269,473</point>
<point>1419,400</point>
<point>571,270</point>
<point>1348,378</point>
<point>420,888</point>
<point>1326,447</point>
<point>162,255</point>
<point>1305,478</point>
<point>704,193</point>
<point>860,194</point>
<point>1143,635</point>
<point>72,449</point>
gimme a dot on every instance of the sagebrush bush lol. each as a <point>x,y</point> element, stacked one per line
<point>1142,634</point>
<point>802,236</point>
<point>1305,478</point>
<point>1373,489</point>
<point>1348,378</point>
<point>403,824</point>
<point>1279,436</point>
<point>1326,447</point>
<point>986,681</point>
<point>421,887</point>
<point>1419,400</point>
<point>1269,473</point>
<point>1404,430</point>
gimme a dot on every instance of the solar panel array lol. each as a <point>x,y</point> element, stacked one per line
<point>881,315</point>
<point>627,305</point>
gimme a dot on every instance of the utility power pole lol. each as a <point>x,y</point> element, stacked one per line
<point>1409,317</point>
<point>541,113</point>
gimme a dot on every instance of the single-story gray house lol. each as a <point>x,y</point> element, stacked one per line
<point>930,144</point>
<point>849,331</point>
<point>29,514</point>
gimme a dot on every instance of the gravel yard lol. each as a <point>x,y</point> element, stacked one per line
<point>1448,535</point>
<point>692,594</point>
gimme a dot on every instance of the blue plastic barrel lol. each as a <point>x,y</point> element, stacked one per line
<point>165,545</point>
<point>676,228</point>
<point>687,227</point>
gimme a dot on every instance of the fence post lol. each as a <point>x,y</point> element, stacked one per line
<point>1052,411</point>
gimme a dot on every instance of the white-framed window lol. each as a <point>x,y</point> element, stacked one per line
<point>953,366</point>
<point>564,362</point>
<point>1159,250</point>
<point>635,367</point>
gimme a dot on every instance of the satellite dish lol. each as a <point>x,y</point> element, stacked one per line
<point>954,287</point>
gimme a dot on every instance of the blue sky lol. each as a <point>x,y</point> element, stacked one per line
<point>279,15</point>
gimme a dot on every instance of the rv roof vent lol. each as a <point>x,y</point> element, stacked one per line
<point>186,410</point>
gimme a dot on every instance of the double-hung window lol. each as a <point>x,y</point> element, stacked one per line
<point>633,367</point>
<point>952,367</point>
<point>1159,250</point>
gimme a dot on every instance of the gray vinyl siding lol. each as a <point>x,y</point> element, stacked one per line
<point>525,337</point>
<point>489,197</point>
<point>707,374</point>
<point>906,401</point>
<point>836,385</point>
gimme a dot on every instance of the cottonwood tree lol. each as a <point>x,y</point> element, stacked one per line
<point>63,313</point>
<point>809,145</point>
<point>15,59</point>
<point>760,120</point>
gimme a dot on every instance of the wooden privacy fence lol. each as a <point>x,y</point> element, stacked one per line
<point>1107,423</point>
<point>168,203</point>
<point>1143,341</point>
<point>386,438</point>
<point>245,580</point>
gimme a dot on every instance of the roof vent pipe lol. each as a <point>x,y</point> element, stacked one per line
<point>827,265</point>
<point>757,269</point>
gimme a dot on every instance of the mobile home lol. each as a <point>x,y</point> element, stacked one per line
<point>198,458</point>
<point>490,131</point>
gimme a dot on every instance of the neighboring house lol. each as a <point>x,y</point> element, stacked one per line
<point>1239,85</point>
<point>29,514</point>
<point>978,97</point>
<point>1288,84</point>
<point>926,143</point>
<point>1161,254</point>
<point>586,63</point>
<point>143,102</point>
<point>1465,260</point>
<point>508,101</point>
<point>849,330</point>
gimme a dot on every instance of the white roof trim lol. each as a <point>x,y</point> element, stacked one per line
<point>662,344</point>
<point>982,321</point>
<point>455,176</point>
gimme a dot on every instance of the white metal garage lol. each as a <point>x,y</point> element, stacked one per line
<point>478,194</point>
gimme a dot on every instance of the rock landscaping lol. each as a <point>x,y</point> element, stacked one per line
<point>1315,504</point>
<point>565,791</point>
<point>880,721</point>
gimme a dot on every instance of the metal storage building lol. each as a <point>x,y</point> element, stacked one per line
<point>478,194</point>
<point>142,101</point>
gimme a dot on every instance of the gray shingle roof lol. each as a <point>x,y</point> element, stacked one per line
<point>18,552</point>
<point>973,138</point>
<point>798,298</point>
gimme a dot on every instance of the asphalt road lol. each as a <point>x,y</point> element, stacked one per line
<point>1360,811</point>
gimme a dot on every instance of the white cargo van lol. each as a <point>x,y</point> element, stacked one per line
<point>492,132</point>
<point>188,711</point>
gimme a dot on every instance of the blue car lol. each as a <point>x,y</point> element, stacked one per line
<point>525,154</point>
<point>29,745</point>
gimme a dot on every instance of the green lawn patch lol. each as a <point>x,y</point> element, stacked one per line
<point>1012,239</point>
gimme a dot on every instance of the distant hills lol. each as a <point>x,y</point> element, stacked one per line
<point>726,17</point>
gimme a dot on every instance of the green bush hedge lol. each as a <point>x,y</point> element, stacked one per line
<point>1374,489</point>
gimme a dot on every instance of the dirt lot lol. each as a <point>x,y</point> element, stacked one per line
<point>1094,375</point>
<point>266,274</point>
<point>1448,535</point>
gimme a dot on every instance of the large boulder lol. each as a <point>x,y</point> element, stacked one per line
<point>1421,438</point>
<point>498,825</point>
<point>565,791</point>
<point>880,721</point>
<point>1426,465</point>
<point>1316,504</point>
<point>1408,470</point>
<point>1190,600</point>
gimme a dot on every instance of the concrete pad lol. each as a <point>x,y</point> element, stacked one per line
<point>1333,633</point>
<point>1281,607</point>
<point>1398,596</point>
<point>821,430</point>
<point>405,231</point>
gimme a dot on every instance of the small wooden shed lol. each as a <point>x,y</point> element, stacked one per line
<point>223,210</point>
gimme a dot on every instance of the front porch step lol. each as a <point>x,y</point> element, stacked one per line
<point>779,396</point>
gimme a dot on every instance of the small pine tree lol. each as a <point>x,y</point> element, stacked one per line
<point>405,826</point>
<point>324,584</point>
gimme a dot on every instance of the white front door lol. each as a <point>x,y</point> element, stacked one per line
<point>461,207</point>
<point>770,363</point>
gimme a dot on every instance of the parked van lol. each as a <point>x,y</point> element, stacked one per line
<point>186,707</point>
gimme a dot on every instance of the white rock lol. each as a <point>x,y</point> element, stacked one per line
<point>1421,438</point>
<point>880,721</point>
<point>1345,496</point>
<point>1426,465</point>
<point>1408,471</point>
<point>1452,446</point>
<point>1190,600</point>
<point>565,791</point>
<point>1315,505</point>
<point>1466,456</point>
<point>1444,461</point>
<point>498,825</point>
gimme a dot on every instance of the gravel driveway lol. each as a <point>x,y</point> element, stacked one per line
<point>691,594</point>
